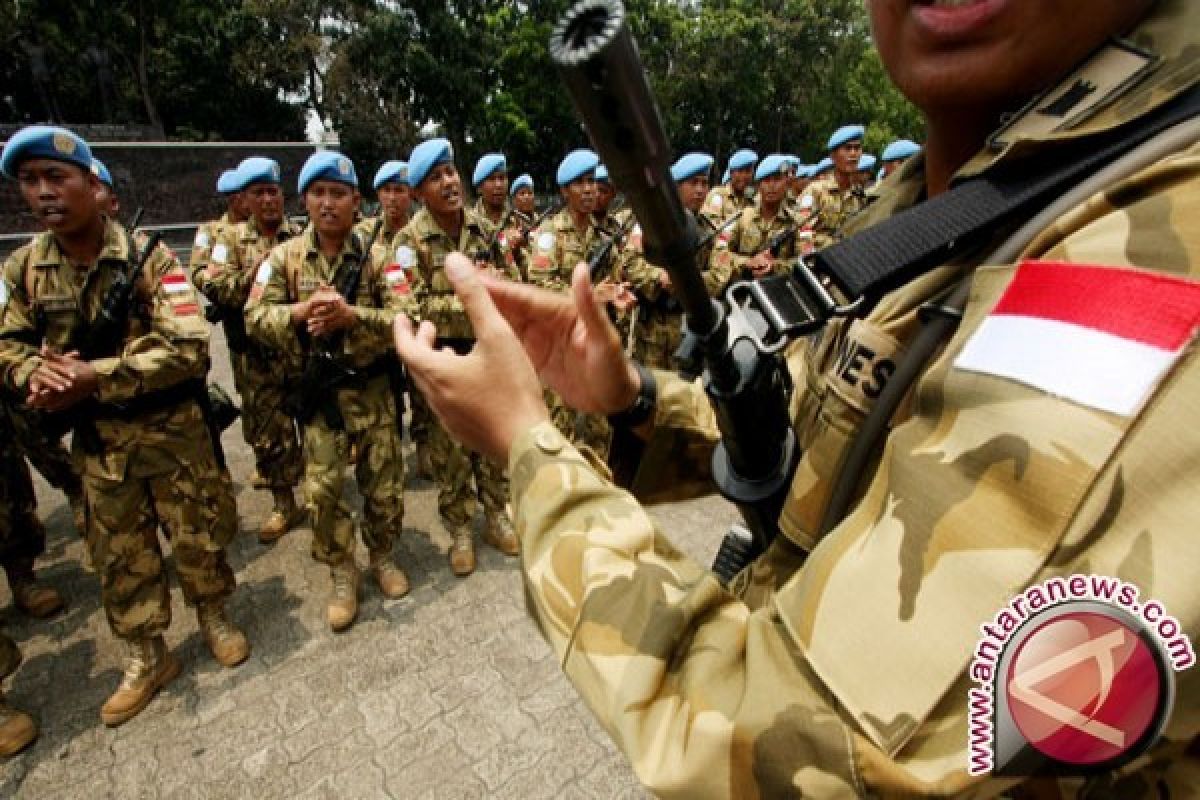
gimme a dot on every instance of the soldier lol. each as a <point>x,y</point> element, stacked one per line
<point>732,195</point>
<point>260,375</point>
<point>659,328</point>
<point>767,235</point>
<point>834,201</point>
<point>812,684</point>
<point>297,308</point>
<point>441,227</point>
<point>490,182</point>
<point>137,408</point>
<point>229,186</point>
<point>896,153</point>
<point>866,170</point>
<point>523,198</point>
<point>395,200</point>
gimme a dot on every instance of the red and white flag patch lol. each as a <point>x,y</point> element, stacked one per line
<point>179,293</point>
<point>1102,337</point>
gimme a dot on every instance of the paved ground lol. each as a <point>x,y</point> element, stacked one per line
<point>448,692</point>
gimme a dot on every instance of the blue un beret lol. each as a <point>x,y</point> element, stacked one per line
<point>846,133</point>
<point>524,181</point>
<point>102,173</point>
<point>44,141</point>
<point>576,164</point>
<point>327,165</point>
<point>391,172</point>
<point>823,166</point>
<point>425,157</point>
<point>866,162</point>
<point>257,169</point>
<point>487,166</point>
<point>900,150</point>
<point>770,165</point>
<point>742,159</point>
<point>230,182</point>
<point>602,174</point>
<point>691,165</point>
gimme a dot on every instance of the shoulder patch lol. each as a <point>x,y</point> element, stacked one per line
<point>261,278</point>
<point>220,253</point>
<point>201,239</point>
<point>3,293</point>
<point>406,257</point>
<point>545,242</point>
<point>715,200</point>
<point>806,201</point>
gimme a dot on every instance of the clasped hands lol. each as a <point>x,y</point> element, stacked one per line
<point>61,380</point>
<point>325,312</point>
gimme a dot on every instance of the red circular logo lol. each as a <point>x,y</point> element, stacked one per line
<point>1083,688</point>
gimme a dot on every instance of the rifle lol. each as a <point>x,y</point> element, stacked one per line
<point>136,219</point>
<point>600,262</point>
<point>324,371</point>
<point>748,386</point>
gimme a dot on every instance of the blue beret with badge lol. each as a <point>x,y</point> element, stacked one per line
<point>823,166</point>
<point>524,181</point>
<point>327,165</point>
<point>258,169</point>
<point>575,165</point>
<point>900,150</point>
<point>425,157</point>
<point>844,134</point>
<point>743,159</point>
<point>102,173</point>
<point>866,162</point>
<point>391,172</point>
<point>44,141</point>
<point>691,165</point>
<point>487,166</point>
<point>771,165</point>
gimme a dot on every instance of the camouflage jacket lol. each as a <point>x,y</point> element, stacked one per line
<point>644,277</point>
<point>232,260</point>
<point>420,250</point>
<point>752,234</point>
<point>722,203</point>
<point>386,234</point>
<point>44,299</point>
<point>831,207</point>
<point>206,237</point>
<point>849,677</point>
<point>557,247</point>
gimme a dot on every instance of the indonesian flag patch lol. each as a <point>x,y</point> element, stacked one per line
<point>1102,337</point>
<point>179,293</point>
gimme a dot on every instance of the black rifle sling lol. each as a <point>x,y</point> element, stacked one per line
<point>930,234</point>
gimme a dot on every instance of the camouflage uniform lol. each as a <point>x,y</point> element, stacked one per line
<point>752,234</point>
<point>556,247</point>
<point>292,273</point>
<point>847,675</point>
<point>421,249</point>
<point>260,376</point>
<point>659,327</point>
<point>156,468</point>
<point>22,537</point>
<point>722,203</point>
<point>831,207</point>
<point>50,458</point>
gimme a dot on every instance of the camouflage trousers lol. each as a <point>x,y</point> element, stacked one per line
<point>48,457</point>
<point>422,418</point>
<point>380,475</point>
<point>590,430</point>
<point>464,478</point>
<point>22,537</point>
<point>268,430</point>
<point>158,473</point>
<point>657,338</point>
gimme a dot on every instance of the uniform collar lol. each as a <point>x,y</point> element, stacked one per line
<point>47,253</point>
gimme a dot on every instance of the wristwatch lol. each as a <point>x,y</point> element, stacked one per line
<point>643,405</point>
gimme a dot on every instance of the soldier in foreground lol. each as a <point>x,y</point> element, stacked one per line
<point>443,226</point>
<point>840,196</point>
<point>845,674</point>
<point>259,374</point>
<point>323,299</point>
<point>136,404</point>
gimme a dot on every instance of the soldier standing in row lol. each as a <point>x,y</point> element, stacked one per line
<point>490,182</point>
<point>260,375</point>
<point>297,307</point>
<point>137,408</point>
<point>731,196</point>
<point>764,238</point>
<point>229,186</point>
<point>896,153</point>
<point>443,226</point>
<point>835,200</point>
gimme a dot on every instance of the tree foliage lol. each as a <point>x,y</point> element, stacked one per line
<point>775,75</point>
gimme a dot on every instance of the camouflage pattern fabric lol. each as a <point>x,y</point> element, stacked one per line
<point>832,207</point>
<point>752,234</point>
<point>159,468</point>
<point>421,249</point>
<point>48,457</point>
<point>722,203</point>
<point>206,238</point>
<point>292,273</point>
<point>846,676</point>
<point>22,537</point>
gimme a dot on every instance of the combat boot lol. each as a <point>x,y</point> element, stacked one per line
<point>32,598</point>
<point>281,519</point>
<point>391,579</point>
<point>149,668</point>
<point>226,642</point>
<point>462,551</point>
<point>17,729</point>
<point>343,602</point>
<point>498,532</point>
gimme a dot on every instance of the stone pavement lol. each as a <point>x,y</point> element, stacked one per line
<point>449,692</point>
